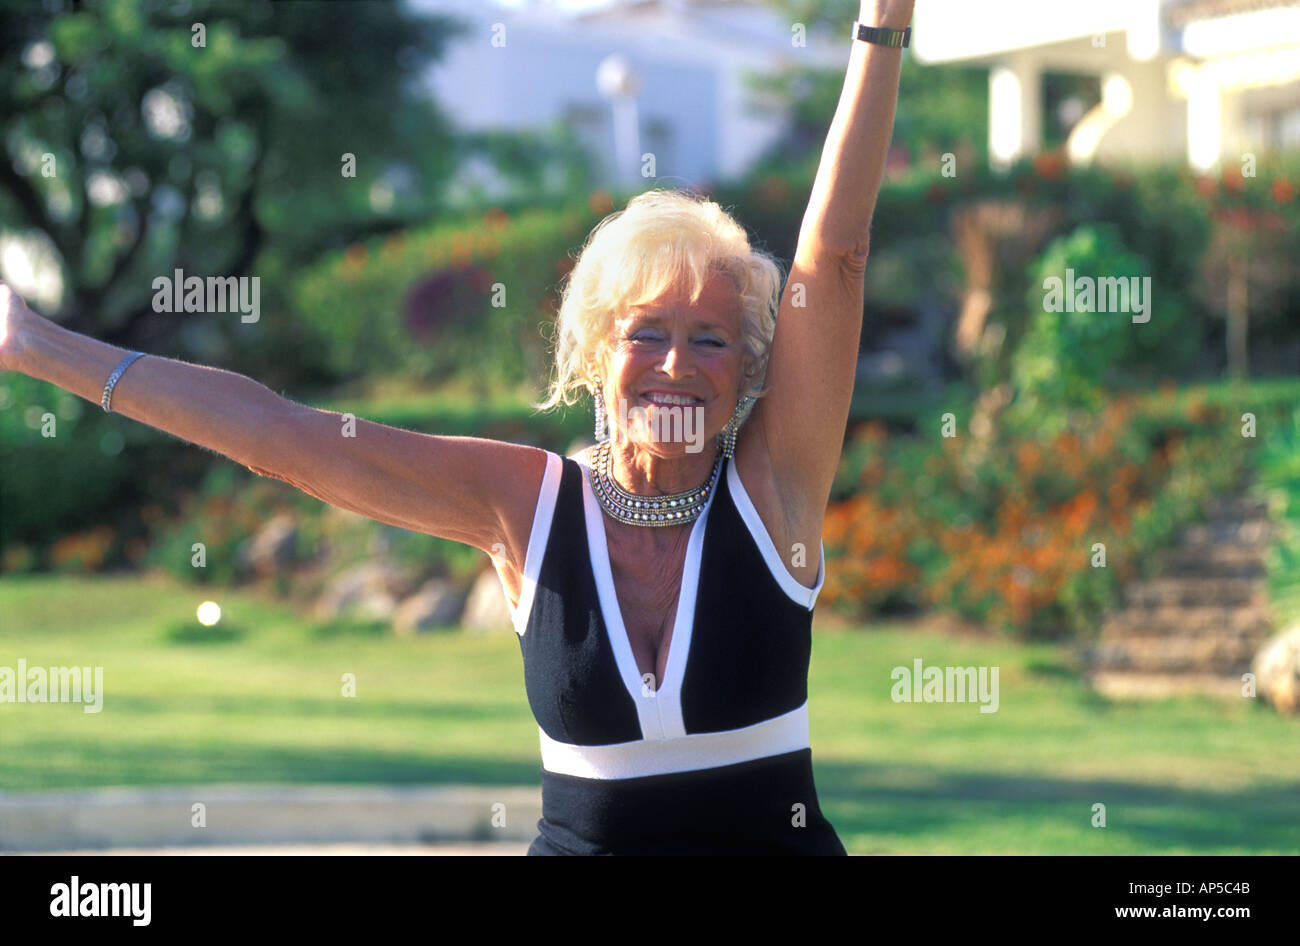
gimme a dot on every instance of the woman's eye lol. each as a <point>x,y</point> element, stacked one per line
<point>649,336</point>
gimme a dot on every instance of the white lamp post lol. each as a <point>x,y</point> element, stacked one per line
<point>619,82</point>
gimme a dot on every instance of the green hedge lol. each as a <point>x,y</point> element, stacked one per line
<point>360,301</point>
<point>424,305</point>
<point>1277,466</point>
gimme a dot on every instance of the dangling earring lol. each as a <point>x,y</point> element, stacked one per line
<point>733,426</point>
<point>602,426</point>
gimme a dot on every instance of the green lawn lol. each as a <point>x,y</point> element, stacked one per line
<point>1181,776</point>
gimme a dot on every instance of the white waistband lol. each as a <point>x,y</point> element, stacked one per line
<point>785,733</point>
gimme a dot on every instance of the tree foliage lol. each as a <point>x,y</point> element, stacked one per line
<point>941,108</point>
<point>145,135</point>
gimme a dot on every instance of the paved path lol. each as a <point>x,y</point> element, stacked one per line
<point>207,818</point>
<point>506,849</point>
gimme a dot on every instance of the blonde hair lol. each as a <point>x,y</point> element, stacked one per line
<point>660,239</point>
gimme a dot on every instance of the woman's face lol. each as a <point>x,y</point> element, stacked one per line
<point>673,347</point>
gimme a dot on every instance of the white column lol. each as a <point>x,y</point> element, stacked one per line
<point>1204,121</point>
<point>1015,126</point>
<point>1116,102</point>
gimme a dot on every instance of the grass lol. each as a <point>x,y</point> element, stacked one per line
<point>261,703</point>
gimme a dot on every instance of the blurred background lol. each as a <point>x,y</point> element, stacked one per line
<point>1106,509</point>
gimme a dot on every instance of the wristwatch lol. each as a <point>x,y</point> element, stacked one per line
<point>882,36</point>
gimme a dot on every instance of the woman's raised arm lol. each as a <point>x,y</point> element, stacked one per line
<point>479,492</point>
<point>813,359</point>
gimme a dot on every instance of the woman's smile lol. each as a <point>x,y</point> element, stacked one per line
<point>666,398</point>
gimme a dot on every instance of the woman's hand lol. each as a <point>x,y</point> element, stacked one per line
<point>16,321</point>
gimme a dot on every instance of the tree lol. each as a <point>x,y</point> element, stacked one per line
<point>142,136</point>
<point>941,108</point>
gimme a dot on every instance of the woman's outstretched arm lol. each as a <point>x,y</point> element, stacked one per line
<point>465,489</point>
<point>813,360</point>
<point>220,410</point>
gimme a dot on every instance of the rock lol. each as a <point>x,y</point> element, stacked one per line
<point>487,608</point>
<point>1277,670</point>
<point>368,590</point>
<point>438,604</point>
<point>272,548</point>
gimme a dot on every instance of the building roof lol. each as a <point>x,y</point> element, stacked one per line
<point>1181,12</point>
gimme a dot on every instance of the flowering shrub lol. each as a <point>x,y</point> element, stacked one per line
<point>432,304</point>
<point>222,515</point>
<point>82,551</point>
<point>230,507</point>
<point>1008,529</point>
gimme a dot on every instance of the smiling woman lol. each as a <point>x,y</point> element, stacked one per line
<point>662,594</point>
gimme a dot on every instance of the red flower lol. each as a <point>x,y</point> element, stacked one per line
<point>1050,166</point>
<point>1283,191</point>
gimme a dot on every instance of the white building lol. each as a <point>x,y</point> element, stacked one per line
<point>536,64</point>
<point>1205,81</point>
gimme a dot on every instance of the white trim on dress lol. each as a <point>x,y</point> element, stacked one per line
<point>537,539</point>
<point>659,711</point>
<point>794,589</point>
<point>780,734</point>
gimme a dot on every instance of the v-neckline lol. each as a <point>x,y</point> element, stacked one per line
<point>659,710</point>
<point>664,649</point>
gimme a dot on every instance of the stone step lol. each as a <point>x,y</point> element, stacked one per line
<point>1187,622</point>
<point>1156,592</point>
<point>1222,654</point>
<point>1155,686</point>
<point>1256,533</point>
<point>1222,560</point>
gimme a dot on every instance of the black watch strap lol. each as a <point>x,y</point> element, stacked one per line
<point>882,36</point>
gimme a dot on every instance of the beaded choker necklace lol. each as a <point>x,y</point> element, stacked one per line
<point>670,510</point>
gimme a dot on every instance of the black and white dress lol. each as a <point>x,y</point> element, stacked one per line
<point>717,759</point>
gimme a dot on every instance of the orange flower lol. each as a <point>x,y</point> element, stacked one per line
<point>1283,191</point>
<point>1028,459</point>
<point>1078,511</point>
<point>356,255</point>
<point>86,549</point>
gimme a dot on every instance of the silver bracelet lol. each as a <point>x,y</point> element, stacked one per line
<point>113,378</point>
